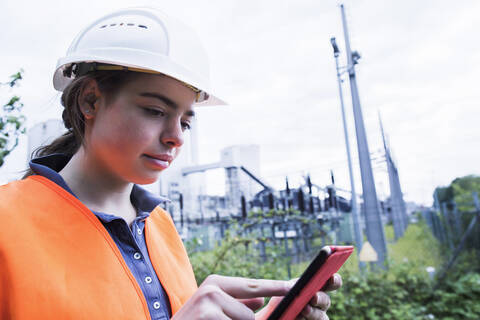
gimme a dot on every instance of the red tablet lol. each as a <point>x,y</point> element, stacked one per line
<point>327,262</point>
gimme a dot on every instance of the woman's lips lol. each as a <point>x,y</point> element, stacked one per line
<point>159,161</point>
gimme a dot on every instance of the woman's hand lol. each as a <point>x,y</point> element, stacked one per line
<point>315,310</point>
<point>220,297</point>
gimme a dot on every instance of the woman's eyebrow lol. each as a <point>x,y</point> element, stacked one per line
<point>169,102</point>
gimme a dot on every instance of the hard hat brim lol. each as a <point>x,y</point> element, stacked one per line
<point>61,81</point>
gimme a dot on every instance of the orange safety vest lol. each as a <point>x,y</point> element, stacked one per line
<point>57,261</point>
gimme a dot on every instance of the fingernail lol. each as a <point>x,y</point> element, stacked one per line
<point>323,300</point>
<point>307,310</point>
<point>291,283</point>
<point>337,280</point>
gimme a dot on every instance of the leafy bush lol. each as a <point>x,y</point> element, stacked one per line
<point>404,291</point>
<point>11,120</point>
<point>236,257</point>
<point>406,295</point>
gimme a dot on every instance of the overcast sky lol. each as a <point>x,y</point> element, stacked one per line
<point>272,61</point>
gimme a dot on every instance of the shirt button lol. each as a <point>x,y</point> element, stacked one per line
<point>137,255</point>
<point>156,305</point>
<point>139,231</point>
<point>148,279</point>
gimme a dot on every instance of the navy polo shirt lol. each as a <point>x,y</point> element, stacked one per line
<point>129,240</point>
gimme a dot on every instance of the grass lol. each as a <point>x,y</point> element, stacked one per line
<point>417,245</point>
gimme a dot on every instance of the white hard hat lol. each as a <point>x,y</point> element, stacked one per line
<point>140,39</point>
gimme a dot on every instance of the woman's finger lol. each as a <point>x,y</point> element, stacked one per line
<point>265,312</point>
<point>244,288</point>
<point>334,283</point>
<point>312,313</point>
<point>320,300</point>
<point>236,310</point>
<point>229,306</point>
<point>253,303</point>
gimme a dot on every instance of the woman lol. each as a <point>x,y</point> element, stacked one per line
<point>80,239</point>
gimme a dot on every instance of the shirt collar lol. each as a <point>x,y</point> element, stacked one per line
<point>49,166</point>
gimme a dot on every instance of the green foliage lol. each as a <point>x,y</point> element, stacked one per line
<point>458,298</point>
<point>460,191</point>
<point>455,220</point>
<point>238,252</point>
<point>11,120</point>
<point>404,293</point>
<point>444,194</point>
<point>235,256</point>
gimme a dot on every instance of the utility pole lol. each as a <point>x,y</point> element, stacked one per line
<point>403,207</point>
<point>398,227</point>
<point>375,232</point>
<point>355,215</point>
<point>285,226</point>
<point>334,214</point>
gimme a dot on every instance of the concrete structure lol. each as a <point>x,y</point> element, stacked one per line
<point>188,178</point>
<point>238,183</point>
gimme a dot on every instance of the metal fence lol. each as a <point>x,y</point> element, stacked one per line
<point>458,230</point>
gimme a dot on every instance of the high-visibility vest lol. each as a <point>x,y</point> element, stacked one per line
<point>57,261</point>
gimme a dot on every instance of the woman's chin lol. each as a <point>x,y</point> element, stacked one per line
<point>148,177</point>
<point>147,180</point>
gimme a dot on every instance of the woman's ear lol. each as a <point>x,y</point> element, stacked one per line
<point>89,99</point>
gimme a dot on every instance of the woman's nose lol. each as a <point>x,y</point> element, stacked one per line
<point>172,136</point>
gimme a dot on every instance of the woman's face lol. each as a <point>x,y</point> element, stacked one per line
<point>141,129</point>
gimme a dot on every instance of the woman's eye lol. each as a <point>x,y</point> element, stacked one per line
<point>153,112</point>
<point>186,126</point>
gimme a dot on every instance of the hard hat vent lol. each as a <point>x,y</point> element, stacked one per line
<point>122,32</point>
<point>124,24</point>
